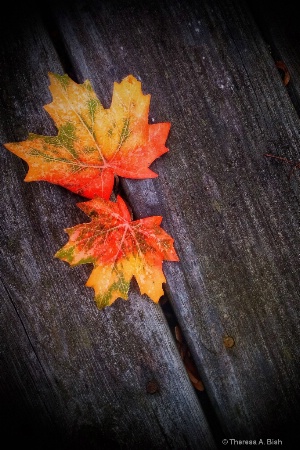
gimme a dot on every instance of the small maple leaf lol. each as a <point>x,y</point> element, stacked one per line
<point>94,144</point>
<point>119,249</point>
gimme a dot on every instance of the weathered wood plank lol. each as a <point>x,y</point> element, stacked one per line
<point>72,376</point>
<point>234,215</point>
<point>279,25</point>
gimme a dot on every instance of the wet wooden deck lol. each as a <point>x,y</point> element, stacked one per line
<point>72,376</point>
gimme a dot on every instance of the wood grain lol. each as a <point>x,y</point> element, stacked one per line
<point>234,214</point>
<point>72,376</point>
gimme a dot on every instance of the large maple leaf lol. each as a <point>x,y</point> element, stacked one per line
<point>119,249</point>
<point>94,144</point>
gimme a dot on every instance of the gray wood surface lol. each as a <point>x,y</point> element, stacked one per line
<point>72,376</point>
<point>233,213</point>
<point>279,25</point>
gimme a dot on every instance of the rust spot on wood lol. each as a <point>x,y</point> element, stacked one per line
<point>228,342</point>
<point>152,387</point>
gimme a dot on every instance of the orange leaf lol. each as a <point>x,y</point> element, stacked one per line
<point>188,362</point>
<point>119,249</point>
<point>94,144</point>
<point>286,75</point>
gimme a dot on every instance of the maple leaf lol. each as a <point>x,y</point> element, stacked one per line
<point>119,249</point>
<point>94,144</point>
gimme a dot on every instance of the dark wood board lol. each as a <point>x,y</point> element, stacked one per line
<point>279,26</point>
<point>234,214</point>
<point>72,376</point>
